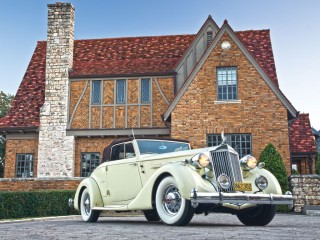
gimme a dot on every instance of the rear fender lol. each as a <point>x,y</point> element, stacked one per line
<point>94,191</point>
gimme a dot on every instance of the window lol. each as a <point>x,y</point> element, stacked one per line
<point>240,142</point>
<point>24,165</point>
<point>122,151</point>
<point>96,92</point>
<point>145,90</point>
<point>121,91</point>
<point>227,83</point>
<point>89,161</point>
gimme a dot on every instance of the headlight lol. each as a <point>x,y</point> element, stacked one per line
<point>201,159</point>
<point>224,181</point>
<point>261,182</point>
<point>248,162</point>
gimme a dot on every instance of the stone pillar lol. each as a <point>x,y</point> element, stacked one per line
<point>56,150</point>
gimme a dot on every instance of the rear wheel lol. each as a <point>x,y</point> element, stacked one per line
<point>151,215</point>
<point>171,207</point>
<point>259,216</point>
<point>88,215</point>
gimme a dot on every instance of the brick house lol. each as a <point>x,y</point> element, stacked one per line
<point>302,145</point>
<point>78,95</point>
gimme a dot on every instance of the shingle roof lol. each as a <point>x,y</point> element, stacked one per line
<point>119,57</point>
<point>258,42</point>
<point>301,137</point>
<point>25,108</point>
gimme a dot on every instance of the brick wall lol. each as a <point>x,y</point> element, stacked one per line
<point>34,184</point>
<point>260,112</point>
<point>89,145</point>
<point>14,147</point>
<point>305,190</point>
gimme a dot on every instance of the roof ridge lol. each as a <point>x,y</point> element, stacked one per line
<point>169,35</point>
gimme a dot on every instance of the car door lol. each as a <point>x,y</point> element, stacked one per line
<point>123,177</point>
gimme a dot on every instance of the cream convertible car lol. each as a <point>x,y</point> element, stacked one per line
<point>170,182</point>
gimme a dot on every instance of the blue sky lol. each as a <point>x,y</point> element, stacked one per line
<point>294,25</point>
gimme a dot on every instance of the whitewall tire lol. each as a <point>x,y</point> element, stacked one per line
<point>88,215</point>
<point>172,208</point>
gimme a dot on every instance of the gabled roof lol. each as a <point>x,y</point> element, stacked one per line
<point>301,137</point>
<point>256,56</point>
<point>121,57</point>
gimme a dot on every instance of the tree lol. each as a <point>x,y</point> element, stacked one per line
<point>272,158</point>
<point>5,102</point>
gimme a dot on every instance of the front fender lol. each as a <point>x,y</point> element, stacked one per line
<point>94,191</point>
<point>273,184</point>
<point>186,177</point>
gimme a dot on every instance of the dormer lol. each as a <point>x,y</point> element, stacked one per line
<point>195,51</point>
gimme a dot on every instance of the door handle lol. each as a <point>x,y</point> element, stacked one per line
<point>133,164</point>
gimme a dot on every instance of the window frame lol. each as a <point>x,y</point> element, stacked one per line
<point>87,173</point>
<point>242,151</point>
<point>143,101</point>
<point>94,92</point>
<point>124,91</point>
<point>124,147</point>
<point>30,173</point>
<point>228,80</point>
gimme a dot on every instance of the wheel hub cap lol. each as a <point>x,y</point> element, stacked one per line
<point>172,200</point>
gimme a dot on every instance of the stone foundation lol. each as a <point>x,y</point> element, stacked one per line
<point>305,190</point>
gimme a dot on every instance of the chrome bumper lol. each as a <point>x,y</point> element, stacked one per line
<point>241,198</point>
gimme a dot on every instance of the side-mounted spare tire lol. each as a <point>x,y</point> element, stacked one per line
<point>87,214</point>
<point>259,216</point>
<point>171,207</point>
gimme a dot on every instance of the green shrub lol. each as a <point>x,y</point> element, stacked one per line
<point>272,158</point>
<point>35,204</point>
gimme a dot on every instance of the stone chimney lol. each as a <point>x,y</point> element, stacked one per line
<point>56,149</point>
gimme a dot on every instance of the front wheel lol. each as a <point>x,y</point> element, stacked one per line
<point>87,214</point>
<point>172,208</point>
<point>259,216</point>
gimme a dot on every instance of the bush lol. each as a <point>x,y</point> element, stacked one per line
<point>35,204</point>
<point>272,158</point>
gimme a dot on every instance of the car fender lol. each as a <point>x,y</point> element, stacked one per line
<point>94,191</point>
<point>185,176</point>
<point>273,184</point>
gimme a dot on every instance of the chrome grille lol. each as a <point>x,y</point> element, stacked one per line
<point>225,162</point>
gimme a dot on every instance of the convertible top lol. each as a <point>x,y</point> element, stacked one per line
<point>107,150</point>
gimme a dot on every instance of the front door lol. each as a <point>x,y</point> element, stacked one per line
<point>123,178</point>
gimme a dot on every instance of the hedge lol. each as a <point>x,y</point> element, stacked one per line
<point>35,204</point>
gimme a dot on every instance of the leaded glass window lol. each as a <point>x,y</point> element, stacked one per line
<point>240,142</point>
<point>227,82</point>
<point>24,166</point>
<point>89,161</point>
<point>145,90</point>
<point>121,91</point>
<point>96,92</point>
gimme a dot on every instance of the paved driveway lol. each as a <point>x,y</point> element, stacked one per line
<point>213,226</point>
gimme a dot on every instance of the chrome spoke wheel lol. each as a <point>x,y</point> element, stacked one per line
<point>172,200</point>
<point>87,208</point>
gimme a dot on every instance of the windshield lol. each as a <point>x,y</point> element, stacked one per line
<point>159,147</point>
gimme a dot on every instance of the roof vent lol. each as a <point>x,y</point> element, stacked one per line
<point>209,37</point>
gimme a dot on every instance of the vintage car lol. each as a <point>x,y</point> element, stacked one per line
<point>168,181</point>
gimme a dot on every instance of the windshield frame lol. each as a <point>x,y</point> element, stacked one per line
<point>161,151</point>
